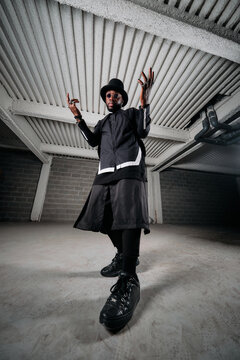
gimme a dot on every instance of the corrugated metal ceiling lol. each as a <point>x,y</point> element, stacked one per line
<point>225,13</point>
<point>49,49</point>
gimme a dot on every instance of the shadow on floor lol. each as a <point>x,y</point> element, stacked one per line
<point>41,302</point>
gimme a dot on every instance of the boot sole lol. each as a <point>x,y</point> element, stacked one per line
<point>117,273</point>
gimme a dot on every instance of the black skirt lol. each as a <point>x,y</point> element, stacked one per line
<point>118,206</point>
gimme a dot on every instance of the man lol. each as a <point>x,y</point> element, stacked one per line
<point>117,203</point>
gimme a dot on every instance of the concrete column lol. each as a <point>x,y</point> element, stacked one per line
<point>41,191</point>
<point>154,197</point>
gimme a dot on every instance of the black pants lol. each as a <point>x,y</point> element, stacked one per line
<point>126,241</point>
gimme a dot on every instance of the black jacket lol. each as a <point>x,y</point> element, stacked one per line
<point>118,136</point>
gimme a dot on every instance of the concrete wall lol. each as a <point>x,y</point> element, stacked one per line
<point>19,174</point>
<point>192,197</point>
<point>69,183</point>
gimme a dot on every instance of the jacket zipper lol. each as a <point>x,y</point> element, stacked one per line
<point>112,129</point>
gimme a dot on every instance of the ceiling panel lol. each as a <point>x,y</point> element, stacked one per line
<point>224,13</point>
<point>49,49</point>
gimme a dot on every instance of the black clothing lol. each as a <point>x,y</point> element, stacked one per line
<point>121,303</point>
<point>114,268</point>
<point>116,238</point>
<point>122,205</point>
<point>129,263</point>
<point>130,172</point>
<point>120,181</point>
<point>118,136</point>
<point>126,241</point>
<point>130,243</point>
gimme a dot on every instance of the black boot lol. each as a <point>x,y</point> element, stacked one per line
<point>115,268</point>
<point>120,305</point>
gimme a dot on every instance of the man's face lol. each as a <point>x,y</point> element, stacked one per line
<point>114,100</point>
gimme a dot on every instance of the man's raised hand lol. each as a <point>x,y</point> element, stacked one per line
<point>146,86</point>
<point>71,104</point>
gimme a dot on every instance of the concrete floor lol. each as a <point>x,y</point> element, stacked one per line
<point>52,293</point>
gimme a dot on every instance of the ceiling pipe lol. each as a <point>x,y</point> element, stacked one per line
<point>212,116</point>
<point>231,135</point>
<point>224,139</point>
<point>206,127</point>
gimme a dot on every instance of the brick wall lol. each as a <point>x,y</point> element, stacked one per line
<point>69,183</point>
<point>188,197</point>
<point>191,197</point>
<point>19,174</point>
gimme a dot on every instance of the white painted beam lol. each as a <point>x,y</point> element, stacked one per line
<point>150,161</point>
<point>85,153</point>
<point>154,197</point>
<point>44,111</point>
<point>157,23</point>
<point>224,109</point>
<point>68,150</point>
<point>20,126</point>
<point>41,191</point>
<point>26,108</point>
<point>167,133</point>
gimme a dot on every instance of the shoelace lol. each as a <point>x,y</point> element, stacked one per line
<point>118,292</point>
<point>121,285</point>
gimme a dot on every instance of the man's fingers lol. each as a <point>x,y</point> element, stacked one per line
<point>150,73</point>
<point>72,100</point>
<point>148,82</point>
<point>151,76</point>
<point>144,76</point>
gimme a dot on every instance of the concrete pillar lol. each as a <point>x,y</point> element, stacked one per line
<point>154,197</point>
<point>41,191</point>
